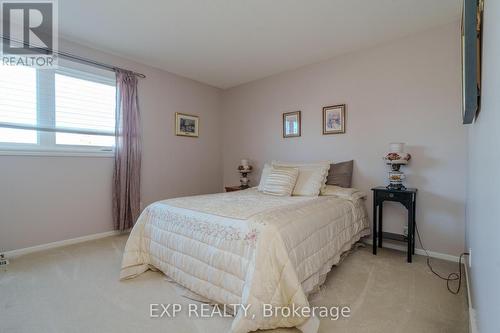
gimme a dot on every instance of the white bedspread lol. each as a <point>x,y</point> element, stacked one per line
<point>246,247</point>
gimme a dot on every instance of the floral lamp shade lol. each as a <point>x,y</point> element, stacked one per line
<point>396,154</point>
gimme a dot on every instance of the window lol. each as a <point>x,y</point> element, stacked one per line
<point>70,109</point>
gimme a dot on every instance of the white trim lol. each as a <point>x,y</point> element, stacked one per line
<point>472,321</point>
<point>472,312</point>
<point>437,255</point>
<point>53,245</point>
<point>468,286</point>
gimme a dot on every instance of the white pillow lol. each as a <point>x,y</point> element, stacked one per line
<point>342,192</point>
<point>311,179</point>
<point>280,181</point>
<point>266,170</point>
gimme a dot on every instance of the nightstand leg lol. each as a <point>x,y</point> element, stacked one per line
<point>380,222</point>
<point>410,232</point>
<point>374,228</point>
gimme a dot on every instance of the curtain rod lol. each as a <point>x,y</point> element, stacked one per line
<point>74,57</point>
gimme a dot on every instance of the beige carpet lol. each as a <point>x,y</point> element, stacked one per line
<point>76,289</point>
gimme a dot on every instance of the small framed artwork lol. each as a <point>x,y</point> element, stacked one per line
<point>291,124</point>
<point>334,119</point>
<point>186,125</point>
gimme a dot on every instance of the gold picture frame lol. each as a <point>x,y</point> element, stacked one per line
<point>334,117</point>
<point>187,125</point>
<point>292,124</point>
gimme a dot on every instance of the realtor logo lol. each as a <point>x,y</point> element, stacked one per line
<point>29,31</point>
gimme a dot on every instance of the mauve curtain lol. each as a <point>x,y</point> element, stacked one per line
<point>127,168</point>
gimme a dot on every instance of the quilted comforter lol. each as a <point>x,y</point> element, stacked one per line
<point>247,248</point>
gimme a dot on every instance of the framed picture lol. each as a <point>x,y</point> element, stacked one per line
<point>291,124</point>
<point>186,125</point>
<point>334,119</point>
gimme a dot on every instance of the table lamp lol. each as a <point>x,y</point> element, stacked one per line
<point>244,169</point>
<point>396,157</point>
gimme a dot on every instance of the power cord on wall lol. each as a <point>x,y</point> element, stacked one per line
<point>452,276</point>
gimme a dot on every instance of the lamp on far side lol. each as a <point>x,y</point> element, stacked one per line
<point>244,169</point>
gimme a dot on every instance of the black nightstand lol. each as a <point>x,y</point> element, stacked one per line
<point>407,197</point>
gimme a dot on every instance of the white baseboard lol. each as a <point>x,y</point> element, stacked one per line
<point>472,321</point>
<point>42,247</point>
<point>432,254</point>
<point>472,312</point>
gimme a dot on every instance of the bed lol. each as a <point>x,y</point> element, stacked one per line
<point>247,247</point>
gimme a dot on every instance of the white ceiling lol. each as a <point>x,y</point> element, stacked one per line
<point>225,43</point>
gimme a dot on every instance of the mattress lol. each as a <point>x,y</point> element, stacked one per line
<point>246,247</point>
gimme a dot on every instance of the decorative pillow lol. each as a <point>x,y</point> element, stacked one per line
<point>312,177</point>
<point>340,174</point>
<point>281,181</point>
<point>342,192</point>
<point>266,170</point>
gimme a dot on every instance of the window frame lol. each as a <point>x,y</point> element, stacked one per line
<point>46,109</point>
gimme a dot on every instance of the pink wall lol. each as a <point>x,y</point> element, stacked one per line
<point>407,90</point>
<point>46,199</point>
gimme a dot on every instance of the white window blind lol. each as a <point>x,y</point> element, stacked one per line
<point>83,105</point>
<point>70,108</point>
<point>18,104</point>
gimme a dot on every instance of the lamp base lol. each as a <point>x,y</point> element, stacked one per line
<point>396,178</point>
<point>244,181</point>
<point>396,187</point>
